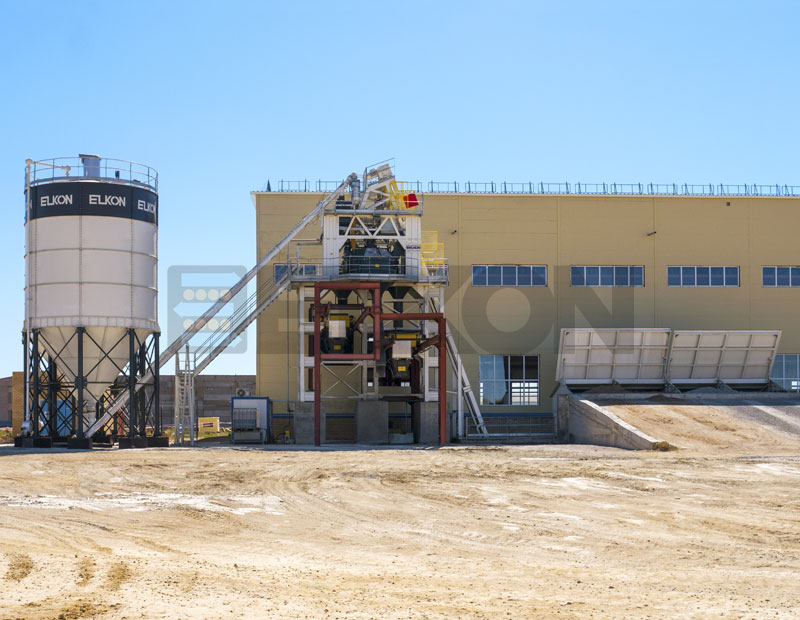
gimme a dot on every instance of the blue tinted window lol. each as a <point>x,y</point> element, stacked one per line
<point>784,276</point>
<point>494,275</point>
<point>523,275</point>
<point>717,276</point>
<point>790,366</point>
<point>703,276</point>
<point>479,275</point>
<point>607,275</point>
<point>777,367</point>
<point>795,276</point>
<point>731,276</point>
<point>673,276</point>
<point>509,275</point>
<point>768,276</point>
<point>540,276</point>
<point>280,271</point>
<point>687,276</point>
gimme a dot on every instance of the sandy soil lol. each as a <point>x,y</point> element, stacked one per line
<point>513,532</point>
<point>747,428</point>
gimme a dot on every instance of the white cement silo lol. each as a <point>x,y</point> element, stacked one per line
<point>91,259</point>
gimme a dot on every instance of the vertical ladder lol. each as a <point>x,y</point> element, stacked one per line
<point>463,385</point>
<point>184,397</point>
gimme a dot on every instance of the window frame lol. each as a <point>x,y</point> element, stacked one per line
<point>502,274</point>
<point>782,378</point>
<point>524,389</point>
<point>689,273</point>
<point>792,275</point>
<point>602,273</point>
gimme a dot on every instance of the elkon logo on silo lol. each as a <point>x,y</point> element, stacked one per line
<point>107,201</point>
<point>58,199</point>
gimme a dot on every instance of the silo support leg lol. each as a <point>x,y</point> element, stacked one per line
<point>79,441</point>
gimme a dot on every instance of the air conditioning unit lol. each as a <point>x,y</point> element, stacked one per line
<point>240,392</point>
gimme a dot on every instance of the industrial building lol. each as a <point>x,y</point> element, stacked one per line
<point>389,314</point>
<point>526,261</point>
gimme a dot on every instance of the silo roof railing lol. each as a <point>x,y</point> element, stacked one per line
<point>101,168</point>
<point>544,188</point>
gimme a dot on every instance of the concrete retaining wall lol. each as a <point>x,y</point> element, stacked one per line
<point>589,423</point>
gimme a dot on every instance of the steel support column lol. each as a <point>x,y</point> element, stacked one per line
<point>142,404</point>
<point>317,366</point>
<point>442,381</point>
<point>79,383</point>
<point>35,361</point>
<point>156,386</point>
<point>26,387</point>
<point>131,382</point>
<point>52,396</point>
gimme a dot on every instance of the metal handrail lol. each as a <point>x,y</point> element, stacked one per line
<point>117,170</point>
<point>389,268</point>
<point>544,188</point>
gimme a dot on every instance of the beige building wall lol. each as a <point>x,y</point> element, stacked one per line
<point>560,231</point>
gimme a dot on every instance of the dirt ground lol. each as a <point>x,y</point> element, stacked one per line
<point>462,532</point>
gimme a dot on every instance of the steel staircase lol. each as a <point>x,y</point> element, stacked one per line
<point>184,397</point>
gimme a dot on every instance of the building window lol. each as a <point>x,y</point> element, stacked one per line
<point>702,276</point>
<point>509,379</point>
<point>279,271</point>
<point>786,371</point>
<point>509,275</point>
<point>606,275</point>
<point>780,276</point>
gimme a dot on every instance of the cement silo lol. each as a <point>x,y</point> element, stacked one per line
<point>91,289</point>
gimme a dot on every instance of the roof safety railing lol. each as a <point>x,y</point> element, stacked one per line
<point>105,168</point>
<point>479,188</point>
<point>541,187</point>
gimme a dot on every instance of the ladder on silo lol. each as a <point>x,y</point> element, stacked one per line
<point>184,397</point>
<point>263,301</point>
<point>463,386</point>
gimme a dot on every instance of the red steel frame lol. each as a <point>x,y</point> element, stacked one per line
<point>321,310</point>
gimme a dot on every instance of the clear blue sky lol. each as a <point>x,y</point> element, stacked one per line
<point>221,96</point>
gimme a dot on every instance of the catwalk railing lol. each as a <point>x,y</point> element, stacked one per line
<point>543,188</point>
